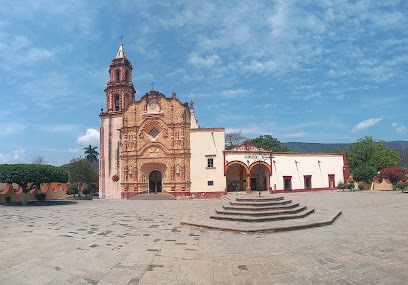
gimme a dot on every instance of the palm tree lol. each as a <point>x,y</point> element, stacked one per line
<point>91,154</point>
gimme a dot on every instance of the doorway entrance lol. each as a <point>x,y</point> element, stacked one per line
<point>332,183</point>
<point>155,182</point>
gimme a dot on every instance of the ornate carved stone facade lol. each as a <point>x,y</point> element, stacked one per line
<point>144,143</point>
<point>155,137</point>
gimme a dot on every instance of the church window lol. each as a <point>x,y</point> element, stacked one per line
<point>127,76</point>
<point>210,162</point>
<point>116,102</point>
<point>117,75</point>
<point>210,183</point>
<point>154,132</point>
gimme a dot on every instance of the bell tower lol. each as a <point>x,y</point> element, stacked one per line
<point>119,91</point>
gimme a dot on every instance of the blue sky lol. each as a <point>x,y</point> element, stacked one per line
<point>310,71</point>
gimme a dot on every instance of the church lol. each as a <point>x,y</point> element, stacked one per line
<point>155,145</point>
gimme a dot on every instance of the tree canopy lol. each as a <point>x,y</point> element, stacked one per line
<point>234,139</point>
<point>81,171</point>
<point>30,176</point>
<point>364,173</point>
<point>370,153</point>
<point>268,142</point>
<point>91,154</point>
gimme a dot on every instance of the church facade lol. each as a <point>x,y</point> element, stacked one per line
<point>154,145</point>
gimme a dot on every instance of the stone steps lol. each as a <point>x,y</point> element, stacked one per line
<point>261,219</point>
<point>260,199</point>
<point>260,213</point>
<point>153,196</point>
<point>249,214</point>
<point>261,204</point>
<point>267,208</point>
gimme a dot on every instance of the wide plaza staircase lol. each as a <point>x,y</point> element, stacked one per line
<point>261,209</point>
<point>267,213</point>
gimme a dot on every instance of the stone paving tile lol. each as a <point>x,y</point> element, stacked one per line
<point>142,242</point>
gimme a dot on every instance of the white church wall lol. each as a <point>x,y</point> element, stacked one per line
<point>295,165</point>
<point>318,166</point>
<point>207,144</point>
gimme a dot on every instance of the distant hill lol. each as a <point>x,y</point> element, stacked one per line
<point>314,147</point>
<point>401,146</point>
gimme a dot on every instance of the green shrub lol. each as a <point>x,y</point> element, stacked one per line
<point>341,185</point>
<point>8,199</point>
<point>92,187</point>
<point>360,186</point>
<point>87,191</point>
<point>40,197</point>
<point>350,186</point>
<point>72,189</point>
<point>380,179</point>
<point>401,186</point>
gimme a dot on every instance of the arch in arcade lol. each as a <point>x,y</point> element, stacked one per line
<point>265,171</point>
<point>236,173</point>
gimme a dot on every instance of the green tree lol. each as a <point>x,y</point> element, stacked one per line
<point>31,176</point>
<point>234,139</point>
<point>364,173</point>
<point>91,154</point>
<point>81,171</point>
<point>268,142</point>
<point>369,153</point>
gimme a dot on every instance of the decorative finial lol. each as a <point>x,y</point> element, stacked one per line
<point>121,38</point>
<point>152,84</point>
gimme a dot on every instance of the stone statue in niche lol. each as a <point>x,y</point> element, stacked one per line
<point>172,173</point>
<point>183,172</point>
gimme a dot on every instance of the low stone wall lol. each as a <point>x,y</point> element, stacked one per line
<point>53,190</point>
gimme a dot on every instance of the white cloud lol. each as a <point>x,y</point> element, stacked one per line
<point>90,138</point>
<point>208,61</point>
<point>11,129</point>
<point>402,130</point>
<point>64,128</point>
<point>394,125</point>
<point>16,156</point>
<point>366,124</point>
<point>231,93</point>
<point>295,135</point>
<point>73,150</point>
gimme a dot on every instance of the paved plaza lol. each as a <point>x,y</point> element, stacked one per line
<point>142,242</point>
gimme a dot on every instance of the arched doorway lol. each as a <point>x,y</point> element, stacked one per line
<point>155,182</point>
<point>236,174</point>
<point>260,174</point>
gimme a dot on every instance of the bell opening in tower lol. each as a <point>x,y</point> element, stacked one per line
<point>116,103</point>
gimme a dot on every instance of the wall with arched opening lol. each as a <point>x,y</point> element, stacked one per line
<point>236,175</point>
